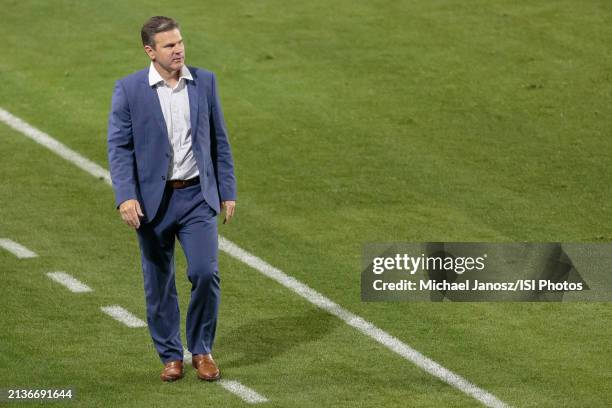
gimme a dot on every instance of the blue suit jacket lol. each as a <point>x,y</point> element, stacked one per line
<point>139,151</point>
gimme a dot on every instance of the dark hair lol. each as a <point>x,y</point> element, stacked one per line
<point>154,25</point>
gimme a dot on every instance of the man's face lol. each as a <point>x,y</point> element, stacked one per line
<point>169,50</point>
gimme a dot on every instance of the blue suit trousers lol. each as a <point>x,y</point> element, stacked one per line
<point>183,214</point>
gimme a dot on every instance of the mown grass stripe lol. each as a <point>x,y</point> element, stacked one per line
<point>289,282</point>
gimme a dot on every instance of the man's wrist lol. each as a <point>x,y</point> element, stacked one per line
<point>125,201</point>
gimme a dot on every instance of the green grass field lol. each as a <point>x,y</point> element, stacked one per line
<point>350,122</point>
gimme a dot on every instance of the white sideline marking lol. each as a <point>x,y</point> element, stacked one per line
<point>16,249</point>
<point>122,315</point>
<point>55,146</point>
<point>365,327</point>
<point>186,356</point>
<point>362,325</point>
<point>247,394</point>
<point>73,284</point>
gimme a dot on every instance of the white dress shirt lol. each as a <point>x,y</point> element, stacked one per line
<point>175,108</point>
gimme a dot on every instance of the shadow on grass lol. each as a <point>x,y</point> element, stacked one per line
<point>263,339</point>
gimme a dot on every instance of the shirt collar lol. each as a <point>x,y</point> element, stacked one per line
<point>155,78</point>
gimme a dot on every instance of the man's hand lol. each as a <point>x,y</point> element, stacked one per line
<point>228,207</point>
<point>130,213</point>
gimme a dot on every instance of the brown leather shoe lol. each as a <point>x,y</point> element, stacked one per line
<point>173,371</point>
<point>206,366</point>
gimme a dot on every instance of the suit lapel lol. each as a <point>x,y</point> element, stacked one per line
<point>192,90</point>
<point>152,100</point>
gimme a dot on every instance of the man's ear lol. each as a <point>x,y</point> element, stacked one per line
<point>150,52</point>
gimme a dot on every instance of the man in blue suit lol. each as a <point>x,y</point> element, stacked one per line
<point>173,172</point>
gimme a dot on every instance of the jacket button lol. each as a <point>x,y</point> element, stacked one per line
<point>167,154</point>
<point>163,177</point>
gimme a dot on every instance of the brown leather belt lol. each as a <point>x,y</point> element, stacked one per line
<point>183,183</point>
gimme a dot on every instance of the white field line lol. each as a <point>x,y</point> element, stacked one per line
<point>362,325</point>
<point>55,146</point>
<point>365,327</point>
<point>247,394</point>
<point>73,284</point>
<point>120,314</point>
<point>186,357</point>
<point>16,249</point>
